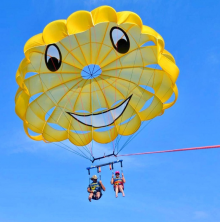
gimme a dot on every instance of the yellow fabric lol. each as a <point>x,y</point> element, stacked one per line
<point>79,22</point>
<point>129,17</point>
<point>104,14</point>
<point>84,39</point>
<point>55,31</point>
<point>33,42</point>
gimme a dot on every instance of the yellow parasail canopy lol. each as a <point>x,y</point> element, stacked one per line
<point>94,75</point>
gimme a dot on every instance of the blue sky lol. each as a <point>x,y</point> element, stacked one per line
<point>43,183</point>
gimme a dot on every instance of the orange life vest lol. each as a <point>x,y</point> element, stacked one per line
<point>118,181</point>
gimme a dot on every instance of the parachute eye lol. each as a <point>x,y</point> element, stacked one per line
<point>53,58</point>
<point>120,40</point>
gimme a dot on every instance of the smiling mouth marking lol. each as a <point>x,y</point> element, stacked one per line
<point>104,118</point>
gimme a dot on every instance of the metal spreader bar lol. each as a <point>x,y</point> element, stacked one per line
<point>102,157</point>
<point>104,164</point>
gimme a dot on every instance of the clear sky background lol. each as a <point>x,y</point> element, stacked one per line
<point>44,183</point>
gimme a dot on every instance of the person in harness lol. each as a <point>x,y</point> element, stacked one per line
<point>118,183</point>
<point>95,189</point>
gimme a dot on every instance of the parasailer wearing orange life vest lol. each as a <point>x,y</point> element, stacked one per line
<point>118,183</point>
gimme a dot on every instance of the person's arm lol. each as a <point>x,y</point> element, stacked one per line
<point>101,184</point>
<point>112,180</point>
<point>123,178</point>
<point>89,190</point>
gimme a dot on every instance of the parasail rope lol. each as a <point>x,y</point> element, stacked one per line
<point>175,150</point>
<point>78,86</point>
<point>134,135</point>
<point>85,148</point>
<point>109,133</point>
<point>66,146</point>
<point>61,126</point>
<point>91,98</point>
<point>116,71</point>
<point>103,91</point>
<point>118,139</point>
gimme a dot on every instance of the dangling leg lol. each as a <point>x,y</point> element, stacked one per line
<point>90,196</point>
<point>116,191</point>
<point>121,189</point>
<point>98,194</point>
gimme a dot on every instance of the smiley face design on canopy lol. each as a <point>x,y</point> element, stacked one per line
<point>95,76</point>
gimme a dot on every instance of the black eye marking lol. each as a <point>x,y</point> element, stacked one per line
<point>120,40</point>
<point>53,57</point>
